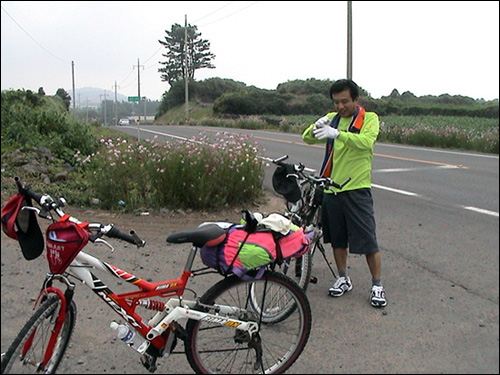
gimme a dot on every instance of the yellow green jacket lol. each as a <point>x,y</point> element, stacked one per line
<point>352,153</point>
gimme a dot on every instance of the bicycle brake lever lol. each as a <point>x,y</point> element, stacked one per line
<point>43,213</point>
<point>29,208</point>
<point>100,240</point>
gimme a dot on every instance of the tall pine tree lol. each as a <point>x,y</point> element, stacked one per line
<point>198,53</point>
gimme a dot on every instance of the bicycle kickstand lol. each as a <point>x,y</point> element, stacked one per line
<point>322,249</point>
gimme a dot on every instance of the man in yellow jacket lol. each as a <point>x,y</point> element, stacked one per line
<point>348,218</point>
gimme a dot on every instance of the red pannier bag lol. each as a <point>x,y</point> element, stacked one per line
<point>295,243</point>
<point>64,240</point>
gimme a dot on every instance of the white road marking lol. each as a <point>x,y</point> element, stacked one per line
<point>481,210</point>
<point>404,192</point>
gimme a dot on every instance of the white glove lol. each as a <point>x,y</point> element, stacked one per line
<point>323,121</point>
<point>326,132</point>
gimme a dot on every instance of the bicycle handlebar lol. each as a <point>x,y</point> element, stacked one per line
<point>324,182</point>
<point>48,204</point>
<point>132,237</point>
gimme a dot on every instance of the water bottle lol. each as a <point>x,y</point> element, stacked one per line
<point>130,337</point>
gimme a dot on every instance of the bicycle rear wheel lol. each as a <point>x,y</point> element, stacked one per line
<point>212,348</point>
<point>33,338</point>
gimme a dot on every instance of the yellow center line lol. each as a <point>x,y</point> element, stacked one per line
<point>383,155</point>
<point>422,161</point>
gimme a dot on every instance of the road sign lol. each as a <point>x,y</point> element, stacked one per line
<point>134,98</point>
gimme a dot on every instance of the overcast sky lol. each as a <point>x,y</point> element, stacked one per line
<point>425,47</point>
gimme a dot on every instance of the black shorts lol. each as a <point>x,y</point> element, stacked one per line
<point>348,221</point>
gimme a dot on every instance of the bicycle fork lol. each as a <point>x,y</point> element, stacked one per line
<point>65,299</point>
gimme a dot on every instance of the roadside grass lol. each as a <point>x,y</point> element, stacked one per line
<point>451,132</point>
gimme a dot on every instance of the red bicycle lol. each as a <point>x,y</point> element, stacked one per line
<point>226,330</point>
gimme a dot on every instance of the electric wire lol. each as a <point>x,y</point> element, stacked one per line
<point>231,14</point>
<point>33,39</point>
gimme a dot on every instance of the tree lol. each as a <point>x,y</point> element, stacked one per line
<point>198,53</point>
<point>395,94</point>
<point>65,97</point>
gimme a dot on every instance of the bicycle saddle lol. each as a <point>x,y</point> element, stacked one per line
<point>209,234</point>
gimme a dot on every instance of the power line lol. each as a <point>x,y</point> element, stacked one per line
<point>128,75</point>
<point>231,14</point>
<point>153,55</point>
<point>33,39</point>
<point>215,11</point>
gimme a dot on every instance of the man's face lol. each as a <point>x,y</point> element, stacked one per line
<point>344,104</point>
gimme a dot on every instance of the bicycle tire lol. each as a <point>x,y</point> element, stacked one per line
<point>38,329</point>
<point>298,269</point>
<point>212,348</point>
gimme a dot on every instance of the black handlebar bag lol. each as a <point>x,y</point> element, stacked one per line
<point>22,225</point>
<point>285,184</point>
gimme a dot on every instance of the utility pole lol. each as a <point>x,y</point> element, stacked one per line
<point>116,106</point>
<point>139,87</point>
<point>73,79</point>
<point>104,104</point>
<point>349,40</point>
<point>186,94</point>
<point>138,78</point>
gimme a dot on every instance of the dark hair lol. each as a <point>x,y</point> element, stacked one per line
<point>342,85</point>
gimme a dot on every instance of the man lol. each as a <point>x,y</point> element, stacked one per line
<point>347,216</point>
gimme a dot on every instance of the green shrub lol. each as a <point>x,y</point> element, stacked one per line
<point>251,102</point>
<point>33,120</point>
<point>196,174</point>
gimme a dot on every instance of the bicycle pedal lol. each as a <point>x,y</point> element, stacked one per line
<point>313,280</point>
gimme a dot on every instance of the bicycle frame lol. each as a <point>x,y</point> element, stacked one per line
<point>125,304</point>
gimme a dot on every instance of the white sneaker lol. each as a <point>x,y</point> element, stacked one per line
<point>342,285</point>
<point>377,296</point>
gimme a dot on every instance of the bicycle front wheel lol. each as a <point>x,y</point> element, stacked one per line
<point>298,269</point>
<point>215,348</point>
<point>26,353</point>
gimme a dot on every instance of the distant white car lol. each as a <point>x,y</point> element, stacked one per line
<point>124,121</point>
